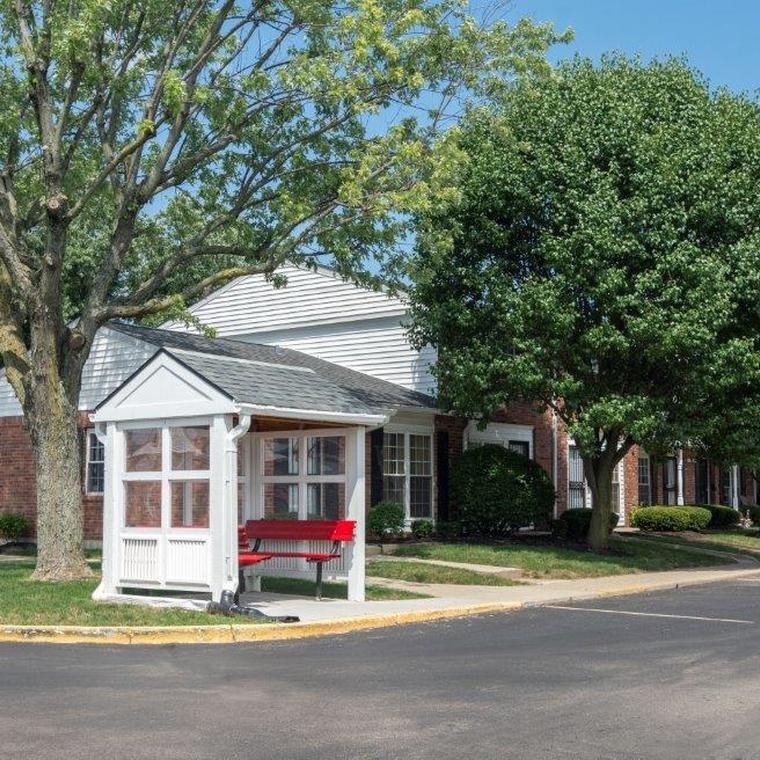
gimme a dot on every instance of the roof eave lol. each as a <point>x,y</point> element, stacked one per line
<point>311,415</point>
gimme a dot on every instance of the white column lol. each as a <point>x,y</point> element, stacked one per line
<point>112,454</point>
<point>679,497</point>
<point>735,486</point>
<point>230,512</point>
<point>355,508</point>
<point>219,519</point>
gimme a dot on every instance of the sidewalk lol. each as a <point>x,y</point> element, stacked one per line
<point>451,597</point>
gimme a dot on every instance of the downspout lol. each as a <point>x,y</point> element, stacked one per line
<point>555,461</point>
<point>230,463</point>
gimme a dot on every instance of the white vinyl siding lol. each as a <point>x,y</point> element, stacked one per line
<point>377,347</point>
<point>323,316</point>
<point>252,304</point>
<point>113,358</point>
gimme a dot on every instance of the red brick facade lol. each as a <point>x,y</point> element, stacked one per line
<point>550,450</point>
<point>17,484</point>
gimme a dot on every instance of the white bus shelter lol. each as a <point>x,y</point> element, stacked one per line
<point>196,441</point>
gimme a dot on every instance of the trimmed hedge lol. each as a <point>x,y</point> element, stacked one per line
<point>671,518</point>
<point>722,517</point>
<point>423,529</point>
<point>498,491</point>
<point>13,526</point>
<point>386,519</point>
<point>573,524</point>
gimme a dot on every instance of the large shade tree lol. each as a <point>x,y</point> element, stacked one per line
<point>151,150</point>
<point>603,259</point>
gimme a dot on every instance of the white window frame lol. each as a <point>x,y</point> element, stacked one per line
<point>407,431</point>
<point>90,434</point>
<point>302,479</point>
<point>586,495</point>
<point>165,475</point>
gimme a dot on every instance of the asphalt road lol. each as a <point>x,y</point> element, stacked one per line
<point>540,683</point>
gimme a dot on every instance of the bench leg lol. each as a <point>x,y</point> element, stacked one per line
<point>319,581</point>
<point>241,585</point>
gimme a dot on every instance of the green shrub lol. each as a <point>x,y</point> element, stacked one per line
<point>14,526</point>
<point>722,517</point>
<point>423,529</point>
<point>386,519</point>
<point>498,491</point>
<point>573,524</point>
<point>671,518</point>
<point>448,530</point>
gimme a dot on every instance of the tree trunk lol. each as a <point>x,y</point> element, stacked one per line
<point>599,477</point>
<point>60,518</point>
<point>51,418</point>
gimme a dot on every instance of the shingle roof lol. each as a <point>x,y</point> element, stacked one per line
<point>253,373</point>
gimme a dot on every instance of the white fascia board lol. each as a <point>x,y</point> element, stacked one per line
<point>256,410</point>
<point>163,388</point>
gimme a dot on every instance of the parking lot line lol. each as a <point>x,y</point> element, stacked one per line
<point>648,614</point>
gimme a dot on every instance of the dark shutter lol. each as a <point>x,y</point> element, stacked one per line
<point>376,467</point>
<point>442,474</point>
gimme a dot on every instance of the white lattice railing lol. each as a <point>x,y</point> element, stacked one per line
<point>188,561</point>
<point>139,560</point>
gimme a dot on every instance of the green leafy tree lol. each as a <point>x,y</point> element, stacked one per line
<point>603,259</point>
<point>151,150</point>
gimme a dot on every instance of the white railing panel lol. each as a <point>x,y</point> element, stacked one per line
<point>140,560</point>
<point>188,560</point>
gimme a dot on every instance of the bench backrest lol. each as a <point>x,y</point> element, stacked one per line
<point>301,530</point>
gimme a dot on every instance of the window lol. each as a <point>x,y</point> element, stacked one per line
<point>304,476</point>
<point>95,470</point>
<point>181,477</point>
<point>521,447</point>
<point>576,481</point>
<point>408,472</point>
<point>645,481</point>
<point>615,495</point>
<point>143,450</point>
<point>189,503</point>
<point>190,448</point>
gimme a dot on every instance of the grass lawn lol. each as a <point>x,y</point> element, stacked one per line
<point>27,602</point>
<point>746,541</point>
<point>334,590</point>
<point>419,572</point>
<point>553,561</point>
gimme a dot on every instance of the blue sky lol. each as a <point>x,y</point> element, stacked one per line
<point>719,37</point>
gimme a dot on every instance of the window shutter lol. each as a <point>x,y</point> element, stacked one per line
<point>376,467</point>
<point>442,474</point>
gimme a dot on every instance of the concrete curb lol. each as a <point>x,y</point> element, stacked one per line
<point>230,634</point>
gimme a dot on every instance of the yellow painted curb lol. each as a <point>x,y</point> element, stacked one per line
<point>228,634</point>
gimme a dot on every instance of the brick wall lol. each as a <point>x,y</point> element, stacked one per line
<point>454,426</point>
<point>17,476</point>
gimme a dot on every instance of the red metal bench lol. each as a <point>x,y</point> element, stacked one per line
<point>336,531</point>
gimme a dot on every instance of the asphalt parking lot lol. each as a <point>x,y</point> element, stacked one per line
<point>671,674</point>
